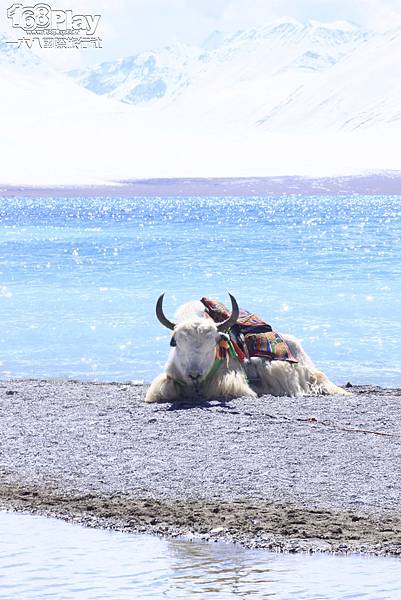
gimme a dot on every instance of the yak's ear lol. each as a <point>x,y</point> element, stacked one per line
<point>224,336</point>
<point>173,343</point>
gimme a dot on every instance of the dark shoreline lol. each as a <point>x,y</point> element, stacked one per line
<point>306,474</point>
<point>381,183</point>
<point>262,525</point>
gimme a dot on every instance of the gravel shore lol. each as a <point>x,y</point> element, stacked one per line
<point>305,474</point>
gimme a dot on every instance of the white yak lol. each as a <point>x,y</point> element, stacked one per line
<point>192,369</point>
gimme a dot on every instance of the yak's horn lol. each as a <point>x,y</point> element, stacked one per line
<point>160,314</point>
<point>225,325</point>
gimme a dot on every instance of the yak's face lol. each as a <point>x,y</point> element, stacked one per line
<point>195,339</point>
<point>195,349</point>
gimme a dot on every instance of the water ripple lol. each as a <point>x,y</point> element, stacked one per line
<point>65,562</point>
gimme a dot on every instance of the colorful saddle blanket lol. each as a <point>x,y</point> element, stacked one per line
<point>253,336</point>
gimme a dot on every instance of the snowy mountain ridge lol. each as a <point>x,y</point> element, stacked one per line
<point>282,77</point>
<point>164,73</point>
<point>285,98</point>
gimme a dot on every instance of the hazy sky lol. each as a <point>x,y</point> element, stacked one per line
<point>129,26</point>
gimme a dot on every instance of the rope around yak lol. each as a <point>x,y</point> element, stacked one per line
<point>315,421</point>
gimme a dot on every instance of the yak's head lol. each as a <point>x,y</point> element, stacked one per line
<point>195,341</point>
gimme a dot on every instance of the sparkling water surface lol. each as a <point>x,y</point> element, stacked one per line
<point>79,278</point>
<point>44,558</point>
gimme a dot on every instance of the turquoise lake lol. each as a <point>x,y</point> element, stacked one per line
<point>79,278</point>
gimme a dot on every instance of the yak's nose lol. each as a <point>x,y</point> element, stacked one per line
<point>194,377</point>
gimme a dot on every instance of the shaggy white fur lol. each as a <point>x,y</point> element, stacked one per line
<point>188,369</point>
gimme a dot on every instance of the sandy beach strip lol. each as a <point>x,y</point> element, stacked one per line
<point>304,474</point>
<point>374,183</point>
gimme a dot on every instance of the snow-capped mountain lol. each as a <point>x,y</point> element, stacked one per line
<point>283,98</point>
<point>272,61</point>
<point>360,91</point>
<point>284,77</point>
<point>143,77</point>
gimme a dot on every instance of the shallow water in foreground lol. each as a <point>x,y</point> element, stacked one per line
<point>45,558</point>
<point>79,278</point>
